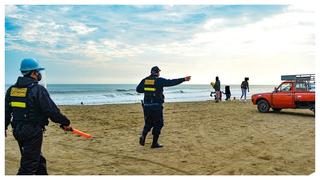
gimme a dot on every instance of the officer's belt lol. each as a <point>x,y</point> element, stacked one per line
<point>151,104</point>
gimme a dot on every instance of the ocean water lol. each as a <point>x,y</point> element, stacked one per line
<point>94,94</point>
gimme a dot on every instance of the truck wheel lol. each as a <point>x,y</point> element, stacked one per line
<point>263,106</point>
<point>312,108</point>
<point>276,109</point>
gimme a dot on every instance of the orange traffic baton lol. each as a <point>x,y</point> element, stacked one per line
<point>80,133</point>
<point>77,132</point>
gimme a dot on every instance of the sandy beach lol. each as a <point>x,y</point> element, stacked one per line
<point>199,138</point>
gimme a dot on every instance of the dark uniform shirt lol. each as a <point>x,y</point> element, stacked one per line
<point>39,103</point>
<point>159,84</point>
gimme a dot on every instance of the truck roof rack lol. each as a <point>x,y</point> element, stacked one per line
<point>299,77</point>
<point>309,79</point>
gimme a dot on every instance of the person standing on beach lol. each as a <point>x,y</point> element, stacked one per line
<point>227,92</point>
<point>244,87</point>
<point>27,108</point>
<point>217,89</point>
<point>152,87</point>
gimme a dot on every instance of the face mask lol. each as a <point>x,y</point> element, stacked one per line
<point>39,76</point>
<point>157,74</point>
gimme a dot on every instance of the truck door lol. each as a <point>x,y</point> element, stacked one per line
<point>284,96</point>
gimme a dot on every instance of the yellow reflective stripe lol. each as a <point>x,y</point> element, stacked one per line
<point>18,104</point>
<point>149,89</point>
<point>18,92</point>
<point>149,82</point>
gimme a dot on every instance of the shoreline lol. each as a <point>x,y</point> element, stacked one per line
<point>123,94</point>
<point>126,103</point>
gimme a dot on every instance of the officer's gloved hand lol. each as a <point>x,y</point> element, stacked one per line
<point>66,128</point>
<point>187,78</point>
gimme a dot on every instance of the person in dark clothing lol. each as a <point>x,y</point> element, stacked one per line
<point>227,92</point>
<point>27,108</point>
<point>152,87</point>
<point>217,89</point>
<point>244,87</point>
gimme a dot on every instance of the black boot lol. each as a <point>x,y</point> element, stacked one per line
<point>42,169</point>
<point>155,143</point>
<point>142,140</point>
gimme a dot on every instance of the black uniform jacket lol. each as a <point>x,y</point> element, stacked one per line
<point>38,99</point>
<point>160,83</point>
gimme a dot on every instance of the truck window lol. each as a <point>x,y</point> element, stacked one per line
<point>301,86</point>
<point>312,87</point>
<point>285,87</point>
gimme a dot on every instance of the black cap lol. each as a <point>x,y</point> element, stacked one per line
<point>155,69</point>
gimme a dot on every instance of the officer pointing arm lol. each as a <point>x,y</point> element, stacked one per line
<point>172,82</point>
<point>152,87</point>
<point>164,83</point>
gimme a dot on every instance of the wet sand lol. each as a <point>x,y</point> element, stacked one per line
<point>199,138</point>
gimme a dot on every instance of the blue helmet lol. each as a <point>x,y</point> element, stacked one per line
<point>29,64</point>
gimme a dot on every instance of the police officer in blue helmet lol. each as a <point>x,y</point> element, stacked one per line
<point>152,87</point>
<point>27,108</point>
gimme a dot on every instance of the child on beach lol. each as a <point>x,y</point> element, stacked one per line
<point>227,93</point>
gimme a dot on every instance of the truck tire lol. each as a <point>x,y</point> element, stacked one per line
<point>276,109</point>
<point>263,106</point>
<point>312,108</point>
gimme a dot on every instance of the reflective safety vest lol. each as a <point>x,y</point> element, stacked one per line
<point>18,101</point>
<point>151,92</point>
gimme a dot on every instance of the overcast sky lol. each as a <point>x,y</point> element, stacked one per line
<point>119,44</point>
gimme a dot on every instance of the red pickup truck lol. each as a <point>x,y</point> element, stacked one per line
<point>297,91</point>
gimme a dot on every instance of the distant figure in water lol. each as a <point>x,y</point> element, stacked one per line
<point>81,103</point>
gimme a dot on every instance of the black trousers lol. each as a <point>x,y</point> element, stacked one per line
<point>29,138</point>
<point>153,119</point>
<point>228,96</point>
